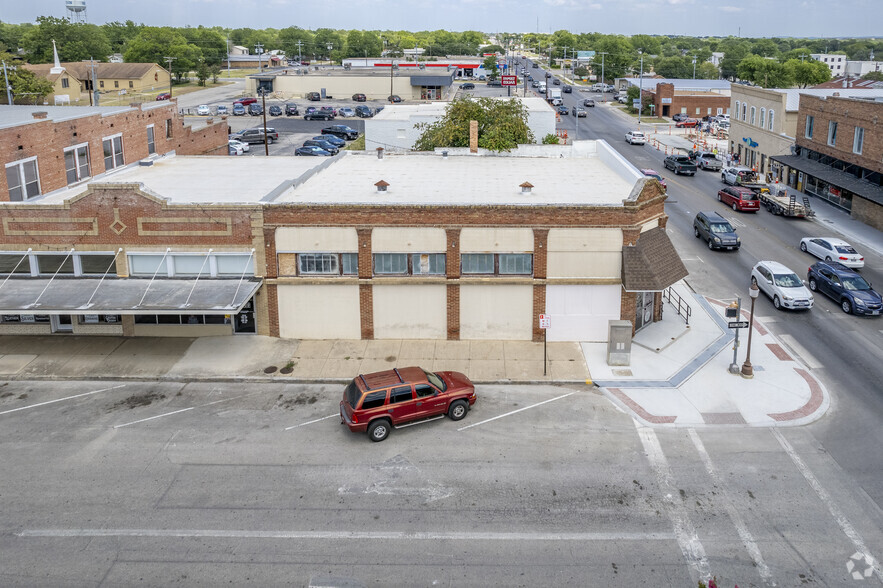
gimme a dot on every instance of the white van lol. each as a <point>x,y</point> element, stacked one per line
<point>542,87</point>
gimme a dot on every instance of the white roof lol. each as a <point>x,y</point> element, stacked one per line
<point>681,84</point>
<point>16,115</point>
<point>406,111</point>
<point>584,173</point>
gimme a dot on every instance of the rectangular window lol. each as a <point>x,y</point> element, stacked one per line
<point>131,84</point>
<point>698,110</point>
<point>49,264</point>
<point>76,163</point>
<point>101,83</point>
<point>168,128</point>
<point>96,264</point>
<point>191,265</point>
<point>504,264</point>
<point>147,265</point>
<point>753,113</point>
<point>349,264</point>
<point>318,263</point>
<point>516,263</point>
<point>390,263</point>
<point>151,143</point>
<point>426,264</point>
<point>810,122</point>
<point>832,133</point>
<point>771,117</point>
<point>188,264</point>
<point>234,265</point>
<point>762,117</point>
<point>113,152</point>
<point>65,83</point>
<point>477,263</point>
<point>116,83</point>
<point>744,110</point>
<point>15,263</point>
<point>858,140</point>
<point>23,180</point>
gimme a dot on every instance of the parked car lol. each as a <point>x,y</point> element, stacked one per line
<point>233,149</point>
<point>578,111</point>
<point>589,103</point>
<point>563,110</point>
<point>245,101</point>
<point>318,115</point>
<point>359,98</point>
<point>222,109</point>
<point>782,285</point>
<point>467,86</point>
<point>687,122</point>
<point>495,83</point>
<point>831,249</point>
<point>238,110</point>
<point>717,231</point>
<point>313,96</point>
<point>244,147</point>
<point>652,173</point>
<point>635,138</point>
<point>534,84</point>
<point>735,175</point>
<point>706,160</point>
<point>741,199</point>
<point>342,131</point>
<point>255,109</point>
<point>534,65</point>
<point>329,110</point>
<point>312,151</point>
<point>163,96</point>
<point>256,135</point>
<point>844,286</point>
<point>394,98</point>
<point>291,109</point>
<point>678,117</point>
<point>203,110</point>
<point>322,145</point>
<point>375,403</point>
<point>311,109</point>
<point>482,78</point>
<point>680,164</point>
<point>275,110</point>
<point>346,112</point>
<point>567,89</point>
<point>333,139</point>
<point>363,111</point>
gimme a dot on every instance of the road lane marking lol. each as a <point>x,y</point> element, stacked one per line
<point>685,532</point>
<point>182,410</point>
<point>741,528</point>
<point>826,499</point>
<point>312,421</point>
<point>515,411</point>
<point>338,535</point>
<point>62,399</point>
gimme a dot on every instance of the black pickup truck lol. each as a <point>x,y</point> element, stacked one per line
<point>680,164</point>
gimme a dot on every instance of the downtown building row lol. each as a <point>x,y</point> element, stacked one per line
<point>445,245</point>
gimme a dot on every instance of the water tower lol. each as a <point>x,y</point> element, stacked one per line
<point>77,8</point>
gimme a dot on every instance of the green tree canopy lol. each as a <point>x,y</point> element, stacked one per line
<point>153,44</point>
<point>768,73</point>
<point>877,76</point>
<point>118,34</point>
<point>809,72</point>
<point>211,43</point>
<point>675,67</point>
<point>27,87</point>
<point>502,125</point>
<point>75,41</point>
<point>289,37</point>
<point>707,71</point>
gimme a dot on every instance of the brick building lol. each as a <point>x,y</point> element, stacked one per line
<point>694,102</point>
<point>418,246</point>
<point>839,154</point>
<point>48,148</point>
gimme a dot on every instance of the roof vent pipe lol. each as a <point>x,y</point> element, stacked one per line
<point>380,153</point>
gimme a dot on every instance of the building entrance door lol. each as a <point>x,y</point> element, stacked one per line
<point>643,309</point>
<point>61,323</point>
<point>244,323</point>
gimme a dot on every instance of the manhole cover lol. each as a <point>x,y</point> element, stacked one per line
<point>286,370</point>
<point>270,369</point>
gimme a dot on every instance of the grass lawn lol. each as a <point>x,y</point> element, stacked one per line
<point>111,99</point>
<point>357,145</point>
<point>644,117</point>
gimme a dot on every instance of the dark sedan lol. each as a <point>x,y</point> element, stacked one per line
<point>359,98</point>
<point>342,131</point>
<point>467,86</point>
<point>394,98</point>
<point>844,286</point>
<point>314,151</point>
<point>291,109</point>
<point>318,115</point>
<point>563,110</point>
<point>322,145</point>
<point>363,111</point>
<point>275,110</point>
<point>334,140</point>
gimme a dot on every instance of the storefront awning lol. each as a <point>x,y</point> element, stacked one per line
<point>651,264</point>
<point>836,177</point>
<point>125,295</point>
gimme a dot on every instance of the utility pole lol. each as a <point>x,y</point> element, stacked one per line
<point>802,55</point>
<point>228,56</point>
<point>168,60</point>
<point>641,89</point>
<point>550,55</point>
<point>8,87</point>
<point>564,60</point>
<point>694,67</point>
<point>259,49</point>
<point>299,57</point>
<point>264,112</point>
<point>603,53</point>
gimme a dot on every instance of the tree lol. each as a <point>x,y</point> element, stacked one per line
<point>288,41</point>
<point>808,73</point>
<point>707,71</point>
<point>646,43</point>
<point>493,49</point>
<point>674,67</point>
<point>877,76</point>
<point>211,43</point>
<point>734,51</point>
<point>75,41</point>
<point>551,139</point>
<point>118,34</point>
<point>768,73</point>
<point>502,125</point>
<point>619,58</point>
<point>490,65</point>
<point>154,44</point>
<point>581,72</point>
<point>27,87</point>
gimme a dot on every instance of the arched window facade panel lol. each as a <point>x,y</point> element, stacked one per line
<point>763,118</point>
<point>744,111</point>
<point>753,115</point>
<point>772,113</point>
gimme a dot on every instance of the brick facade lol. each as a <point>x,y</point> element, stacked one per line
<point>668,102</point>
<point>848,113</point>
<point>47,140</point>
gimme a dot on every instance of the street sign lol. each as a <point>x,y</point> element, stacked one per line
<point>738,324</point>
<point>510,80</point>
<point>636,103</point>
<point>545,321</point>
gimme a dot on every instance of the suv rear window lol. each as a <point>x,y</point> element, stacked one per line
<point>351,393</point>
<point>374,400</point>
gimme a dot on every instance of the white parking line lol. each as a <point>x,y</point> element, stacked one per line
<point>515,411</point>
<point>182,410</point>
<point>741,528</point>
<point>312,421</point>
<point>62,399</point>
<point>338,535</point>
<point>835,511</point>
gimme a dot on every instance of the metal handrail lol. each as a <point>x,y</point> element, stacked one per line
<point>679,303</point>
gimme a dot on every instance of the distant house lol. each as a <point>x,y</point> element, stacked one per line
<point>117,78</point>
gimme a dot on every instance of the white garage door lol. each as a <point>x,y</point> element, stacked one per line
<point>499,311</point>
<point>580,313</point>
<point>319,312</point>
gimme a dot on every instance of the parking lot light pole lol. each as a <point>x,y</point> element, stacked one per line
<point>603,79</point>
<point>747,368</point>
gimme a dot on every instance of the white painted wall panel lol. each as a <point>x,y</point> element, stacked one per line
<point>581,313</point>
<point>321,239</point>
<point>319,312</point>
<point>408,240</point>
<point>501,311</point>
<point>491,240</point>
<point>410,312</point>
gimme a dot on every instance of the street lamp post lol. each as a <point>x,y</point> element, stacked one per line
<point>747,368</point>
<point>694,67</point>
<point>329,45</point>
<point>641,88</point>
<point>603,79</point>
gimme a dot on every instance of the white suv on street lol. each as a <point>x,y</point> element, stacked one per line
<point>782,285</point>
<point>635,138</point>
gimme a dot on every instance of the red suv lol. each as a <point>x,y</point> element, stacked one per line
<point>740,199</point>
<point>375,403</point>
<point>246,101</point>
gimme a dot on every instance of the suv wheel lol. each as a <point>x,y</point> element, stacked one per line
<point>710,244</point>
<point>776,302</point>
<point>269,140</point>
<point>378,430</point>
<point>846,306</point>
<point>812,284</point>
<point>458,410</point>
<point>734,207</point>
<point>803,247</point>
<point>696,231</point>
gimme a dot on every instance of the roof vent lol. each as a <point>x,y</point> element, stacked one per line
<point>40,115</point>
<point>382,186</point>
<point>526,187</point>
<point>380,153</point>
<point>145,162</point>
<point>836,94</point>
<point>445,153</point>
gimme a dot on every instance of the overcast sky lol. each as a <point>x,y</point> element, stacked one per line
<point>748,18</point>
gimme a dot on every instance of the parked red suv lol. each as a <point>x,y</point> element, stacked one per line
<point>245,101</point>
<point>375,403</point>
<point>741,199</point>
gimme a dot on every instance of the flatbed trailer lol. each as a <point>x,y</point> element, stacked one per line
<point>777,199</point>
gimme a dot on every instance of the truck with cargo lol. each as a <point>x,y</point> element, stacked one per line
<point>555,96</point>
<point>776,198</point>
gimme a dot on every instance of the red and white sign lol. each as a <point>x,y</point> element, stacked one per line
<point>545,321</point>
<point>509,80</point>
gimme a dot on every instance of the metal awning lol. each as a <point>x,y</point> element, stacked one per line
<point>838,178</point>
<point>126,295</point>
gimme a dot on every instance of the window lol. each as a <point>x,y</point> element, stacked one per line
<point>424,390</point>
<point>426,264</point>
<point>191,264</point>
<point>23,179</point>
<point>328,263</point>
<point>832,133</point>
<point>753,112</point>
<point>499,264</point>
<point>168,128</point>
<point>101,83</point>
<point>151,143</point>
<point>76,163</point>
<point>737,108</point>
<point>131,84</point>
<point>772,114</point>
<point>858,140</point>
<point>52,263</point>
<point>763,118</point>
<point>65,83</point>
<point>116,83</point>
<point>744,110</point>
<point>400,394</point>
<point>94,264</point>
<point>698,110</point>
<point>374,400</point>
<point>45,263</point>
<point>415,264</point>
<point>390,263</point>
<point>113,152</point>
<point>810,123</point>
